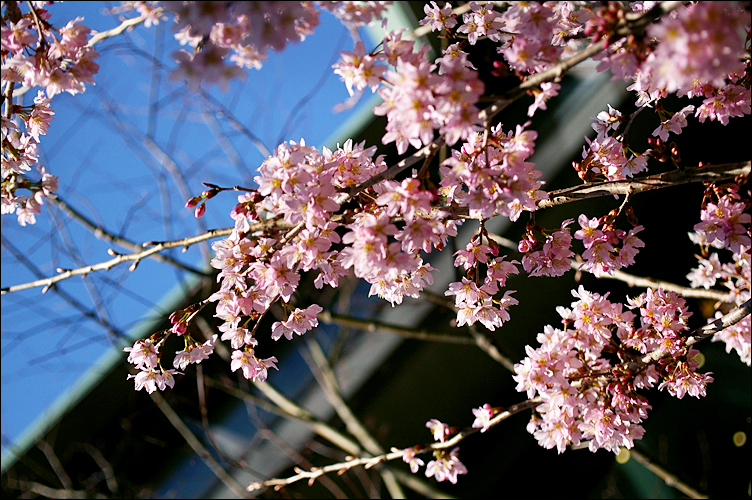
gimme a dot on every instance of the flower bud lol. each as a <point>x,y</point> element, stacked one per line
<point>200,210</point>
<point>180,328</point>
<point>176,316</point>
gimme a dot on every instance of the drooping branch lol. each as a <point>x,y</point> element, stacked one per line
<point>408,333</point>
<point>632,23</point>
<point>670,479</point>
<point>119,259</point>
<point>128,24</point>
<point>197,446</point>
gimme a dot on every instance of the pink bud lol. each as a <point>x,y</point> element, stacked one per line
<point>525,246</point>
<point>192,202</point>
<point>176,316</point>
<point>180,328</point>
<point>200,210</point>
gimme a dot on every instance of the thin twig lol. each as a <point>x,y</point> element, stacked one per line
<point>638,281</point>
<point>408,333</point>
<point>395,454</point>
<point>119,259</point>
<point>68,298</point>
<point>196,445</point>
<point>283,407</point>
<point>127,24</point>
<point>670,479</point>
<point>326,378</point>
<point>104,235</point>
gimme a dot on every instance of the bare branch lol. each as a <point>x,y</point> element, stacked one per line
<point>104,235</point>
<point>408,333</point>
<point>670,479</point>
<point>119,259</point>
<point>709,173</point>
<point>328,382</point>
<point>125,25</point>
<point>196,445</point>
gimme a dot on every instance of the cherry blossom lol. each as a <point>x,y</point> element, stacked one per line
<point>446,466</point>
<point>483,416</point>
<point>329,214</point>
<point>299,322</point>
<point>408,456</point>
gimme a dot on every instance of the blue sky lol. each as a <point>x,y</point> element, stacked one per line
<point>99,147</point>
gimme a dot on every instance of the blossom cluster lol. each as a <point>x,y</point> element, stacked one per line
<point>312,212</point>
<point>303,187</point>
<point>39,59</point>
<point>419,96</point>
<point>242,32</point>
<point>700,52</point>
<point>725,225</point>
<point>446,465</point>
<point>550,258</point>
<point>152,376</point>
<point>605,155</point>
<point>602,254</point>
<point>493,177</point>
<point>606,248</point>
<point>476,303</point>
<point>588,390</point>
<point>33,56</point>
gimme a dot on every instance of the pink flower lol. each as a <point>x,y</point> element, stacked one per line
<point>471,254</point>
<point>239,337</point>
<point>465,292</point>
<point>446,466</point>
<point>359,70</point>
<point>440,431</point>
<point>408,456</point>
<point>675,124</point>
<point>143,354</point>
<point>704,42</point>
<point>439,18</point>
<point>548,90</point>
<point>146,379</point>
<point>483,416</point>
<point>299,322</point>
<point>253,368</point>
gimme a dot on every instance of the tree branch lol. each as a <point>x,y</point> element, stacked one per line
<point>709,173</point>
<point>119,259</point>
<point>394,454</point>
<point>125,25</point>
<point>105,235</point>
<point>670,479</point>
<point>196,445</point>
<point>326,378</point>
